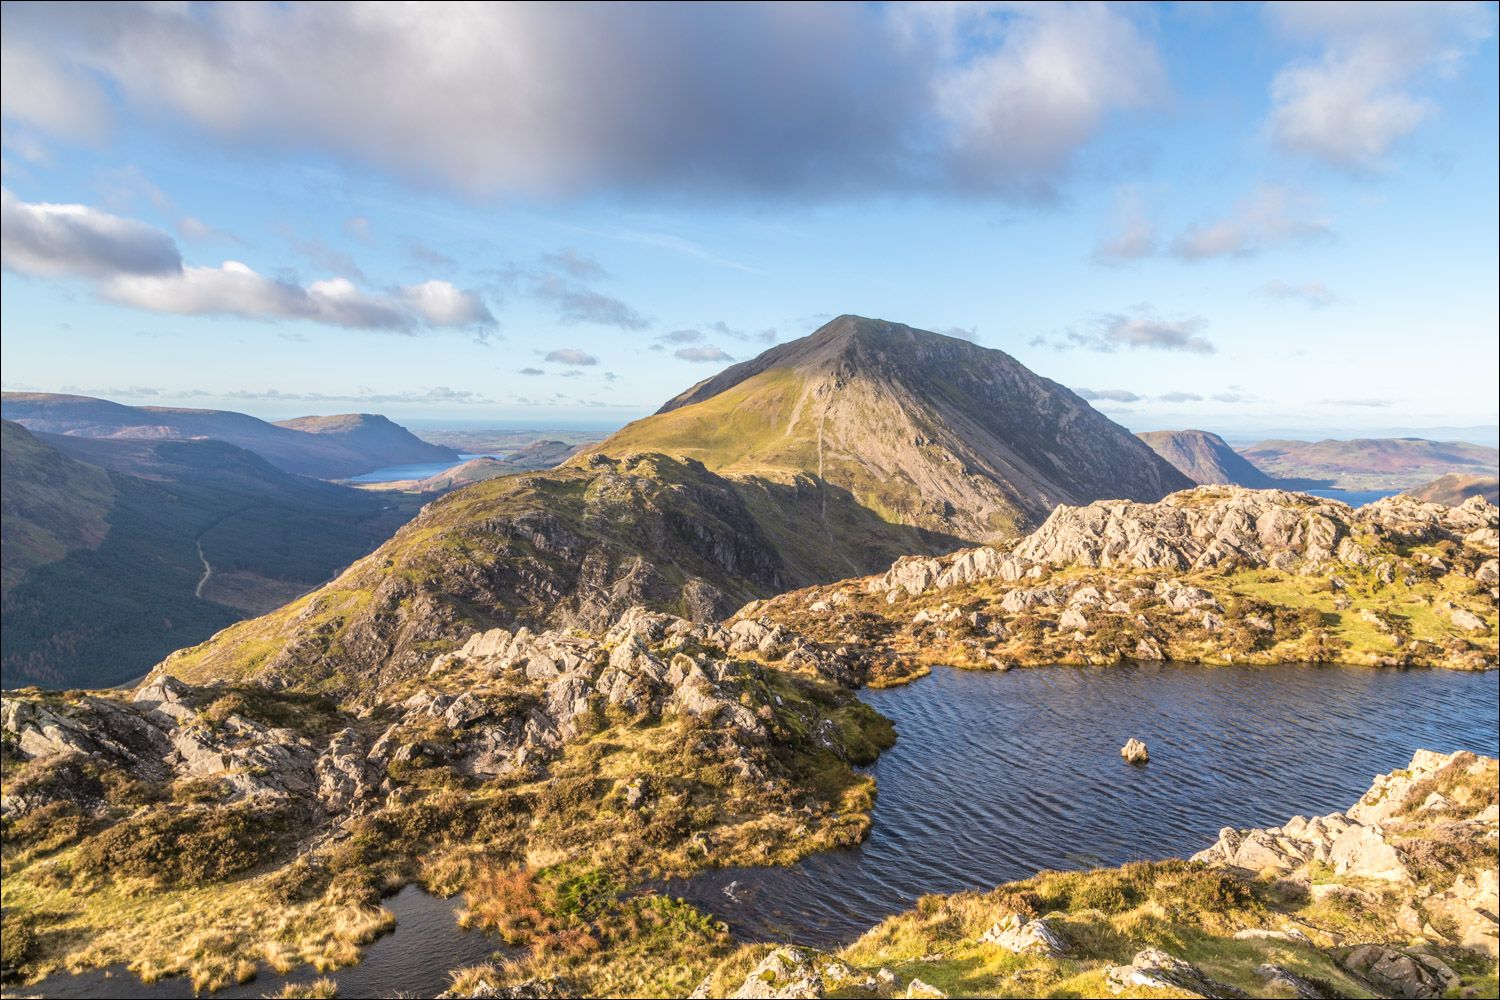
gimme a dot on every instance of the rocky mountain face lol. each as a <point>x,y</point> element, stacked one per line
<point>924,429</point>
<point>1454,489</point>
<point>1206,459</point>
<point>122,550</point>
<point>322,447</point>
<point>1369,463</point>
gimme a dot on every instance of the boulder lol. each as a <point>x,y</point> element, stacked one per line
<point>1155,969</point>
<point>1362,851</point>
<point>1396,972</point>
<point>1134,751</point>
<point>1025,937</point>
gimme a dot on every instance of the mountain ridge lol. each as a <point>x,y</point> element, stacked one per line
<point>332,447</point>
<point>1206,459</point>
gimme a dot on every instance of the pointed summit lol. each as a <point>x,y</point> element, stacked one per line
<point>924,429</point>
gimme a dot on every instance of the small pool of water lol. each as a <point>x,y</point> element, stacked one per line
<point>415,959</point>
<point>422,470</point>
<point>996,776</point>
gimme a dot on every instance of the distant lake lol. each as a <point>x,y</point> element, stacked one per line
<point>1354,498</point>
<point>422,470</point>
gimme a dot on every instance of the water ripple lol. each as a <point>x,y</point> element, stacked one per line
<point>996,776</point>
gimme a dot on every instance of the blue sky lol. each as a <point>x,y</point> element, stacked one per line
<point>1246,218</point>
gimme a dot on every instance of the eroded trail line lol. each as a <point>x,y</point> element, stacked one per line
<point>208,571</point>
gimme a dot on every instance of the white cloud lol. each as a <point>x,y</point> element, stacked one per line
<point>235,289</point>
<point>1133,233</point>
<point>551,99</point>
<point>1144,328</point>
<point>708,353</point>
<point>440,303</point>
<point>1314,293</point>
<point>1363,93</point>
<point>1271,217</point>
<point>571,356</point>
<point>1179,396</point>
<point>78,241</point>
<point>1114,395</point>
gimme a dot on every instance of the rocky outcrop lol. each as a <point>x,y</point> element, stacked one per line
<point>1156,970</point>
<point>1211,526</point>
<point>793,973</point>
<point>1026,937</point>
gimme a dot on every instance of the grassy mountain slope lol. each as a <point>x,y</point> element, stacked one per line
<point>574,546</point>
<point>923,429</point>
<point>1453,489</point>
<point>328,447</point>
<point>108,571</point>
<point>1369,463</point>
<point>1206,459</point>
<point>52,505</point>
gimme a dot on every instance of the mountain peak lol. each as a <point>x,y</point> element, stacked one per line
<point>927,430</point>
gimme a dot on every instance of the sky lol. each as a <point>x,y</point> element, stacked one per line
<point>1252,219</point>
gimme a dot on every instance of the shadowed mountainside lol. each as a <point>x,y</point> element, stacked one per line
<point>325,447</point>
<point>114,560</point>
<point>1206,459</point>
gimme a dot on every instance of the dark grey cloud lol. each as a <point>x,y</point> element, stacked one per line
<point>807,101</point>
<point>708,353</point>
<point>57,241</point>
<point>571,356</point>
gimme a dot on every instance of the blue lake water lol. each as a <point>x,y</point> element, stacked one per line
<point>1354,498</point>
<point>421,470</point>
<point>997,775</point>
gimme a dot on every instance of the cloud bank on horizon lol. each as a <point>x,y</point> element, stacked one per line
<point>1162,185</point>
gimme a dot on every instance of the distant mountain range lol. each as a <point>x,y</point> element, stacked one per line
<point>1206,459</point>
<point>332,447</point>
<point>117,551</point>
<point>1369,463</point>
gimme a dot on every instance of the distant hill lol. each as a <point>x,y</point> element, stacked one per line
<point>1454,489</point>
<point>373,436</point>
<point>118,551</point>
<point>1369,463</point>
<point>475,470</point>
<point>324,447</point>
<point>831,455</point>
<point>926,430</point>
<point>544,454</point>
<point>1206,459</point>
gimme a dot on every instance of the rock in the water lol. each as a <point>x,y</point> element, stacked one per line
<point>1134,751</point>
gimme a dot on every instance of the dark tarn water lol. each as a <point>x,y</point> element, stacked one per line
<point>996,776</point>
<point>422,470</point>
<point>415,959</point>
